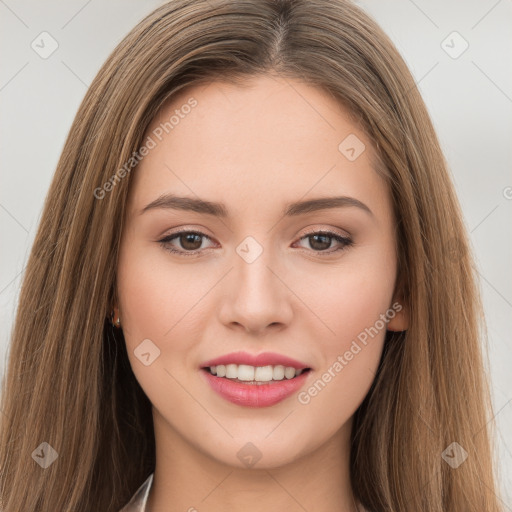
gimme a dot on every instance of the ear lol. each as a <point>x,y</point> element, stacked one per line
<point>400,320</point>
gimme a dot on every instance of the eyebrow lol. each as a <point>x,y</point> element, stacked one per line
<point>171,201</point>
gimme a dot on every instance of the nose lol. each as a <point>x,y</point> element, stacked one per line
<point>256,296</point>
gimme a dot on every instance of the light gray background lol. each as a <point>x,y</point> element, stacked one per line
<point>468,97</point>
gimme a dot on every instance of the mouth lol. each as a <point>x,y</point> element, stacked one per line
<point>255,380</point>
<point>255,393</point>
<point>255,375</point>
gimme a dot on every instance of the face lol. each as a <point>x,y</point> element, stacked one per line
<point>269,279</point>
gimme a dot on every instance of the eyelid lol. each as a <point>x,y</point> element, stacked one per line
<point>315,230</point>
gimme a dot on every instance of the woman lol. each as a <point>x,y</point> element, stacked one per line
<point>240,295</point>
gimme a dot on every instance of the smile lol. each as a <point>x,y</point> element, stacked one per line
<point>255,374</point>
<point>270,378</point>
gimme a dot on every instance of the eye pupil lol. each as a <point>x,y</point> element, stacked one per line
<point>323,245</point>
<point>189,238</point>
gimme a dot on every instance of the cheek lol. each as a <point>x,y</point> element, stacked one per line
<point>155,302</point>
<point>166,304</point>
<point>356,317</point>
<point>352,303</point>
<point>140,297</point>
<point>348,302</point>
<point>157,313</point>
<point>349,356</point>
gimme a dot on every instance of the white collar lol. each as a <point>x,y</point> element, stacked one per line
<point>140,498</point>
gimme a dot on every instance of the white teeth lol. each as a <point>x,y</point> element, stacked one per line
<point>263,373</point>
<point>232,371</point>
<point>289,372</point>
<point>249,373</point>
<point>245,372</point>
<point>278,372</point>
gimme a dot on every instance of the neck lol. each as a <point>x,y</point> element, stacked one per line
<point>186,479</point>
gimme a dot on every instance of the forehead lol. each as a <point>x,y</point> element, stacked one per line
<point>272,139</point>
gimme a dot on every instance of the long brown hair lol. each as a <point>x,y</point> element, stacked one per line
<point>69,382</point>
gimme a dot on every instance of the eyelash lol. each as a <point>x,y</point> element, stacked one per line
<point>345,241</point>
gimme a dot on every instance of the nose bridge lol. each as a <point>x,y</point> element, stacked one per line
<point>258,297</point>
<point>255,283</point>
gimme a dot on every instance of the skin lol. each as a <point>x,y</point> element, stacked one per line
<point>255,149</point>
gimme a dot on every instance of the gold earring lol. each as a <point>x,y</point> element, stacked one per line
<point>116,323</point>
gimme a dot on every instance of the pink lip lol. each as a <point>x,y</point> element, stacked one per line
<point>263,359</point>
<point>254,395</point>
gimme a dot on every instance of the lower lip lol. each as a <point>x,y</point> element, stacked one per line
<point>255,395</point>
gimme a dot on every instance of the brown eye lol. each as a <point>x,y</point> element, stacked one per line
<point>189,242</point>
<point>321,241</point>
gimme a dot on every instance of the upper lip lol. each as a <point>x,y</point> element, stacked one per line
<point>263,359</point>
